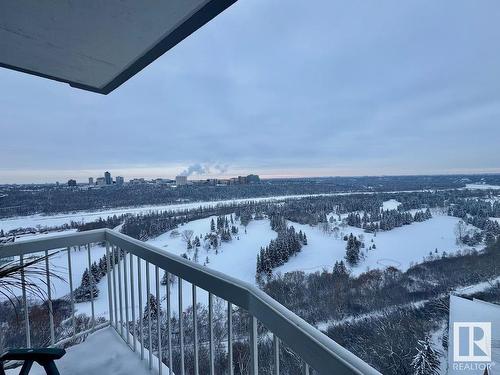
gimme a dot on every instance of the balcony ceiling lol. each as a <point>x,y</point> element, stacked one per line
<point>96,45</point>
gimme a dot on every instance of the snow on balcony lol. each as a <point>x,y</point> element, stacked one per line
<point>103,352</point>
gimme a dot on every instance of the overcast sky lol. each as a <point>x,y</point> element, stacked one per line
<point>279,88</point>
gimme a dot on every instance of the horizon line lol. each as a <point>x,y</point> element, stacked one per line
<point>287,177</point>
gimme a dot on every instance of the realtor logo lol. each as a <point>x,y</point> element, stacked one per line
<point>472,341</point>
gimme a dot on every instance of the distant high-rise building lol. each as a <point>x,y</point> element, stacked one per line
<point>100,181</point>
<point>72,183</point>
<point>107,178</point>
<point>181,180</point>
<point>119,180</point>
<point>91,180</point>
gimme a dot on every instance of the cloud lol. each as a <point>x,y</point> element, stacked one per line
<point>204,169</point>
<point>197,169</point>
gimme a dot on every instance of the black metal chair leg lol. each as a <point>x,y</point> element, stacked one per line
<point>50,367</point>
<point>26,367</point>
<point>45,357</point>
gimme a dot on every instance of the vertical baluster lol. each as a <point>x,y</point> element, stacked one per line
<point>181,328</point>
<point>91,279</point>
<point>125,285</point>
<point>195,333</point>
<point>71,296</point>
<point>230,338</point>
<point>211,333</point>
<point>108,276</point>
<point>49,297</point>
<point>139,284</point>
<point>120,295</point>
<point>157,282</point>
<point>115,294</point>
<point>132,302</point>
<point>254,360</point>
<point>306,369</point>
<point>276,354</point>
<point>148,292</point>
<point>169,328</point>
<point>25,303</point>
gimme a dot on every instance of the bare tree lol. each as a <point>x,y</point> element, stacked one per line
<point>187,234</point>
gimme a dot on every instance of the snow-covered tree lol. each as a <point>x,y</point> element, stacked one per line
<point>87,289</point>
<point>151,308</point>
<point>352,254</point>
<point>170,280</point>
<point>426,361</point>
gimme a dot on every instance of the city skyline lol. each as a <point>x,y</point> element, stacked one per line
<point>85,179</point>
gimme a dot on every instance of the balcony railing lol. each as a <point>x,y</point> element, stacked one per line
<point>125,296</point>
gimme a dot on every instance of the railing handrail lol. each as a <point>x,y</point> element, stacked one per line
<point>36,245</point>
<point>314,347</point>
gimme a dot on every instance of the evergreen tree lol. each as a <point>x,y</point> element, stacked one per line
<point>426,361</point>
<point>170,280</point>
<point>96,273</point>
<point>151,308</point>
<point>353,246</point>
<point>87,289</point>
<point>340,270</point>
<point>197,241</point>
<point>225,236</point>
<point>279,251</point>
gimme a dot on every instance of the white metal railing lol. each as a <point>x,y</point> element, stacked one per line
<point>316,350</point>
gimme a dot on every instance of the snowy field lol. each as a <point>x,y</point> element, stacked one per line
<point>399,247</point>
<point>391,204</point>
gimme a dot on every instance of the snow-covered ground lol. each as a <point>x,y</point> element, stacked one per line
<point>391,204</point>
<point>398,247</point>
<point>236,258</point>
